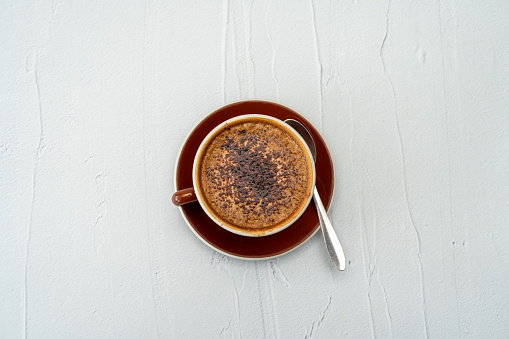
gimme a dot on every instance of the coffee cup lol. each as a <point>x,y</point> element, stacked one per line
<point>253,175</point>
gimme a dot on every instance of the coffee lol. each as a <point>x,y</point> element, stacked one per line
<point>254,175</point>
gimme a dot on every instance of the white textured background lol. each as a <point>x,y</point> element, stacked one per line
<point>97,96</point>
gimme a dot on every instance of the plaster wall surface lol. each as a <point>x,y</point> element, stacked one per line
<point>96,98</point>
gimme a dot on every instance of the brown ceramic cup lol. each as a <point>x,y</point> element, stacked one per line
<point>195,195</point>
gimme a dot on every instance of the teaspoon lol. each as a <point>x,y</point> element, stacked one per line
<point>331,239</point>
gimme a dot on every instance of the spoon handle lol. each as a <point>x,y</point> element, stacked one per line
<point>331,239</point>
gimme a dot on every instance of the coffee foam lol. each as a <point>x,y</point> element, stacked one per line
<point>254,176</point>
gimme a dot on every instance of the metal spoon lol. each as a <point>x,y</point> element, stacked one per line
<point>331,239</point>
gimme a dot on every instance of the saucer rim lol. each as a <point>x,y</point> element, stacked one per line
<point>211,245</point>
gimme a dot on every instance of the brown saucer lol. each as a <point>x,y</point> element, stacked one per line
<point>239,246</point>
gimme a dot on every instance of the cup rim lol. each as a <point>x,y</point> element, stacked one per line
<point>205,142</point>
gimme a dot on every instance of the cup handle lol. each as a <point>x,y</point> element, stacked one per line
<point>185,196</point>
